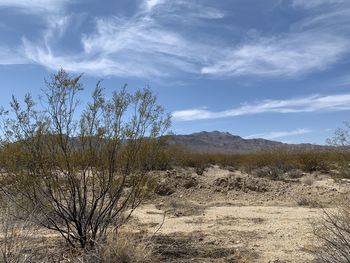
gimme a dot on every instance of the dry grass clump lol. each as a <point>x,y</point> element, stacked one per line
<point>15,238</point>
<point>19,235</point>
<point>308,202</point>
<point>184,208</point>
<point>127,248</point>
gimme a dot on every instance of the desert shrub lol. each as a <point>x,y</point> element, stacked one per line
<point>308,180</point>
<point>163,188</point>
<point>342,165</point>
<point>83,171</point>
<point>294,174</point>
<point>273,173</point>
<point>314,161</point>
<point>333,235</point>
<point>200,170</point>
<point>341,140</point>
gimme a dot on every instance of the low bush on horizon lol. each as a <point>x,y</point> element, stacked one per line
<point>294,163</point>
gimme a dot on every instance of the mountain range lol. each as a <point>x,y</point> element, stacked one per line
<point>224,142</point>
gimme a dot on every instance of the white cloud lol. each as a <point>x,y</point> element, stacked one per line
<point>278,134</point>
<point>35,6</point>
<point>314,103</point>
<point>151,4</point>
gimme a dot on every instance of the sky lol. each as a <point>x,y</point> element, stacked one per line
<point>274,69</point>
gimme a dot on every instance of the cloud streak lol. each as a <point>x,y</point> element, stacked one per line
<point>314,3</point>
<point>11,57</point>
<point>278,134</point>
<point>314,103</point>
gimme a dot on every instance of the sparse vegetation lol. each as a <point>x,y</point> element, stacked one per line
<point>265,164</point>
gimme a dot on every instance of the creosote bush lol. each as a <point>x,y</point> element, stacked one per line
<point>333,235</point>
<point>83,170</point>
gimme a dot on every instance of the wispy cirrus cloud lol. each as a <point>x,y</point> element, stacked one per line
<point>50,13</point>
<point>314,103</point>
<point>136,47</point>
<point>313,44</point>
<point>35,6</point>
<point>278,134</point>
<point>289,55</point>
<point>150,43</point>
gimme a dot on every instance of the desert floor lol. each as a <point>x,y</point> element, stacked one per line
<point>224,216</point>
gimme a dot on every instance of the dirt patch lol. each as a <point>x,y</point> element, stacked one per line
<point>268,233</point>
<point>171,180</point>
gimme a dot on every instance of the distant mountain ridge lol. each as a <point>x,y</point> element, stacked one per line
<point>224,142</point>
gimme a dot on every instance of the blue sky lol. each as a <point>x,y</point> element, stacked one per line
<point>276,69</point>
